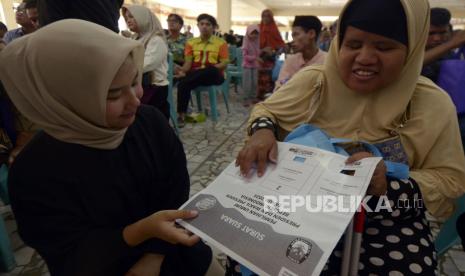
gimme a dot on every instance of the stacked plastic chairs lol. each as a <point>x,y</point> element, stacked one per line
<point>234,71</point>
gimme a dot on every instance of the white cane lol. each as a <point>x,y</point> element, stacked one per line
<point>352,244</point>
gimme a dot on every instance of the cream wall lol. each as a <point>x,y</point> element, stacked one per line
<point>7,14</point>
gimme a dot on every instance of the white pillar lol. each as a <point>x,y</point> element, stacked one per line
<point>223,14</point>
<point>7,14</point>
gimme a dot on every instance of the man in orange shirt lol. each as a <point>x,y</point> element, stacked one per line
<point>205,59</point>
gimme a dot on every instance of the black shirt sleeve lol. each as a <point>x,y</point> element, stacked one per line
<point>177,185</point>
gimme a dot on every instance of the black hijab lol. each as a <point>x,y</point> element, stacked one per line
<point>383,17</point>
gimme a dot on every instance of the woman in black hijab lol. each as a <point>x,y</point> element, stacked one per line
<point>102,12</point>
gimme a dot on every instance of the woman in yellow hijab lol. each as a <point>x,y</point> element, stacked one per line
<point>370,90</point>
<point>145,24</point>
<point>87,190</point>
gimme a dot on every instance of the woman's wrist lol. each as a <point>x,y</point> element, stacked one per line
<point>262,123</point>
<point>135,234</point>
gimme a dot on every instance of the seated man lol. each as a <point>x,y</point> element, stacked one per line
<point>176,39</point>
<point>439,47</point>
<point>205,59</point>
<point>23,20</point>
<point>305,32</point>
<point>20,130</point>
<point>440,42</point>
<point>32,12</point>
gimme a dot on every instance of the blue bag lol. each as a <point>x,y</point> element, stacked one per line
<point>312,136</point>
<point>276,69</point>
<point>452,79</point>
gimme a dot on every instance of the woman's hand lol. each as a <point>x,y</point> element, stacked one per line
<point>458,39</point>
<point>378,184</point>
<point>178,72</point>
<point>161,225</point>
<point>148,265</point>
<point>261,148</point>
<point>268,50</point>
<point>13,153</point>
<point>22,139</point>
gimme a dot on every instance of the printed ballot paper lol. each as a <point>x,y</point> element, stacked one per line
<point>288,221</point>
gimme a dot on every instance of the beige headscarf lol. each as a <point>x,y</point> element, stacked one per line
<point>59,78</point>
<point>148,23</point>
<point>413,107</point>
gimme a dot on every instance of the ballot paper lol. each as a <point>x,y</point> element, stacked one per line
<point>288,221</point>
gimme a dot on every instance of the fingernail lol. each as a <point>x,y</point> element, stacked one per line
<point>194,212</point>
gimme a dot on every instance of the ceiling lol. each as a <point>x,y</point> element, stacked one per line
<point>332,7</point>
<point>246,11</point>
<point>290,7</point>
<point>278,4</point>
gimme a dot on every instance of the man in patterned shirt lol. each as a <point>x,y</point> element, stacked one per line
<point>205,59</point>
<point>23,20</point>
<point>176,39</point>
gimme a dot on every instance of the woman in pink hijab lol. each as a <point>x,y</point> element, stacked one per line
<point>250,64</point>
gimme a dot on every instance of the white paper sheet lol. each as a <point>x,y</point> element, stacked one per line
<point>277,242</point>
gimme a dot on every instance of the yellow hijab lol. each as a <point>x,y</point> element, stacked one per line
<point>59,76</point>
<point>413,107</point>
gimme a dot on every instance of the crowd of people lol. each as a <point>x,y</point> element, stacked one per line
<point>96,172</point>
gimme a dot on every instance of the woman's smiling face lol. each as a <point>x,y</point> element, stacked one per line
<point>369,62</point>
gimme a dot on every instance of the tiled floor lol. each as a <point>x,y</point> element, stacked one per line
<point>209,148</point>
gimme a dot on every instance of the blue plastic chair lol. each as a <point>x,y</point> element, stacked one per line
<point>236,70</point>
<point>7,258</point>
<point>212,91</point>
<point>232,54</point>
<point>173,114</point>
<point>448,235</point>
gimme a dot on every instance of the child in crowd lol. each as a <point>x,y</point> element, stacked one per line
<point>251,57</point>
